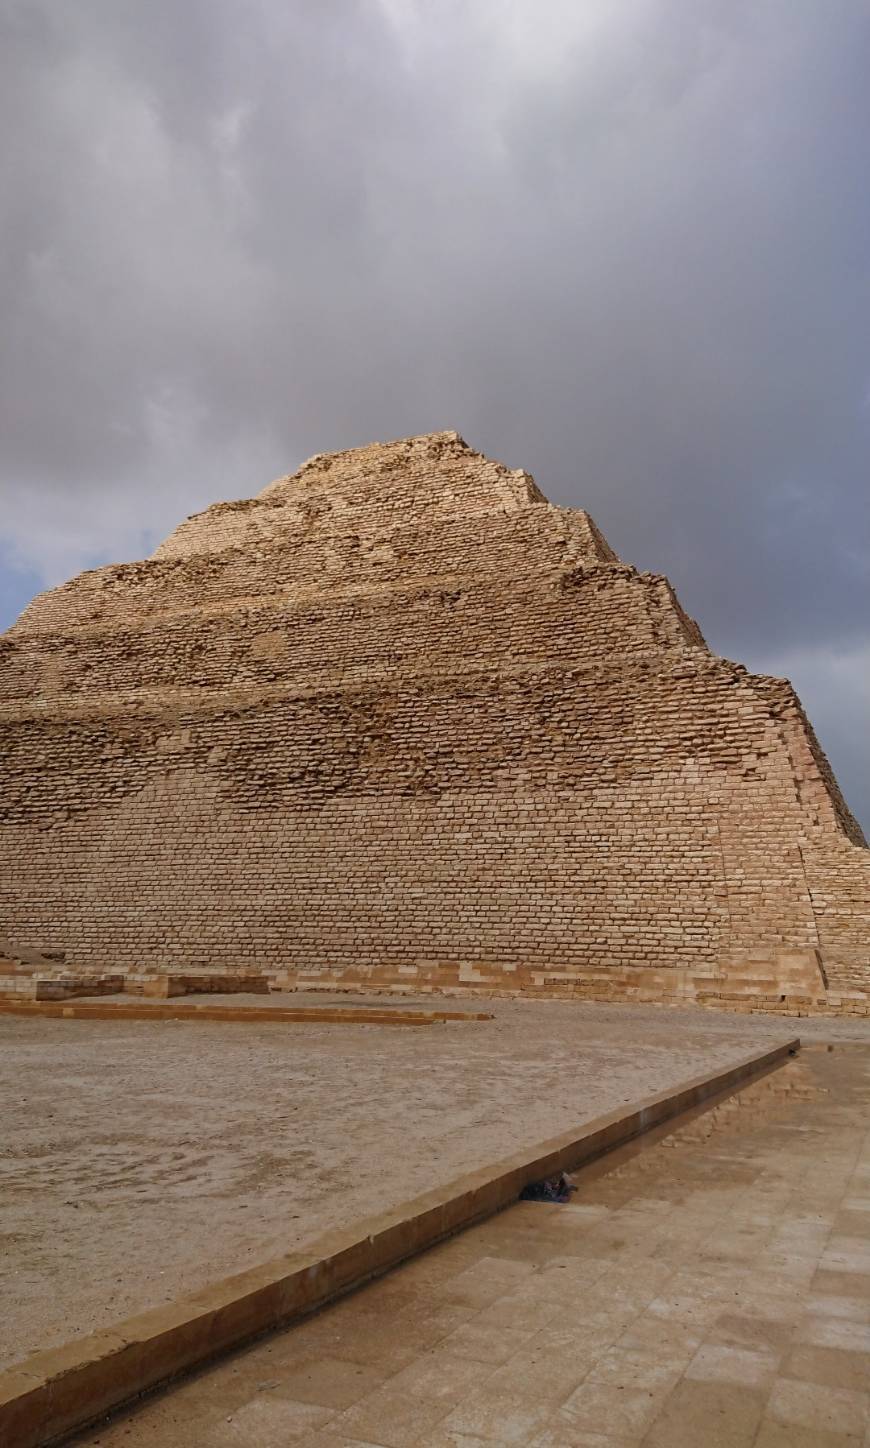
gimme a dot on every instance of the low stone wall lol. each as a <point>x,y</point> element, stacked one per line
<point>35,987</point>
<point>162,986</point>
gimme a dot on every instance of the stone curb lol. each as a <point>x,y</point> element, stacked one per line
<point>328,1015</point>
<point>49,1394</point>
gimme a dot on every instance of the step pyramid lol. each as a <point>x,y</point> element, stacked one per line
<point>396,716</point>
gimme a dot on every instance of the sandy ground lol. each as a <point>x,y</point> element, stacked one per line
<point>140,1161</point>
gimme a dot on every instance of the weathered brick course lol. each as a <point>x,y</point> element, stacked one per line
<point>400,713</point>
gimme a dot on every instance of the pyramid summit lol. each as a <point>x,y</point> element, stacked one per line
<point>398,720</point>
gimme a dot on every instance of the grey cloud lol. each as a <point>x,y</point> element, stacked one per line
<point>625,244</point>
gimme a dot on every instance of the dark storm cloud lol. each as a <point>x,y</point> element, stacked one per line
<point>623,244</point>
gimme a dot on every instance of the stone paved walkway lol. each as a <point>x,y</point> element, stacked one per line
<point>708,1289</point>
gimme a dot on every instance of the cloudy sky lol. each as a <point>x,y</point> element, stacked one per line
<point>622,243</point>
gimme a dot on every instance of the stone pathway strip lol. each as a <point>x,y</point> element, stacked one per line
<point>90,1010</point>
<point>709,1289</point>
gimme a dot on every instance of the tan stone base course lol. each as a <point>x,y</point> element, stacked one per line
<point>783,982</point>
<point>86,1010</point>
<point>46,1396</point>
<point>779,981</point>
